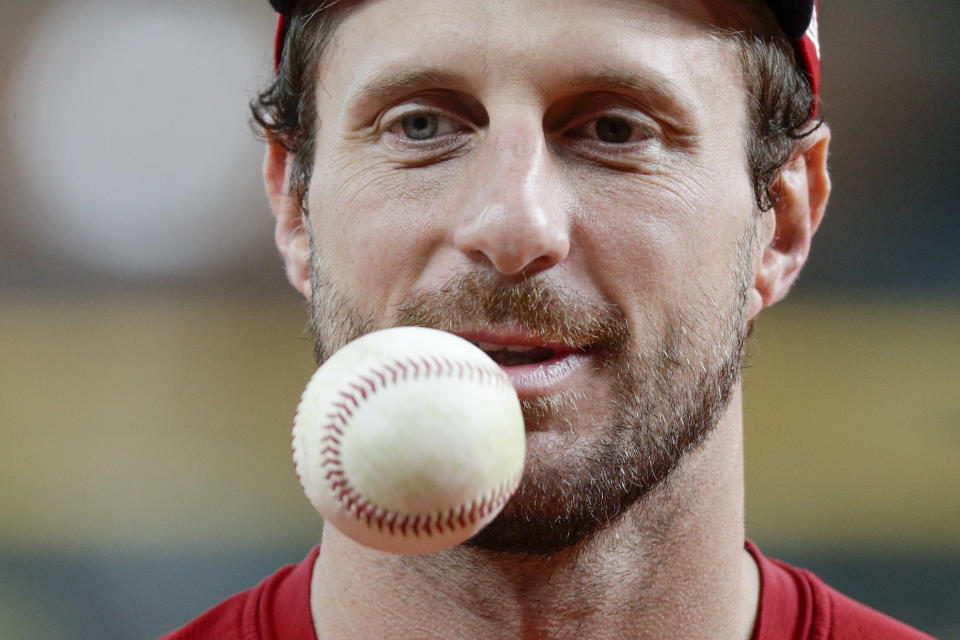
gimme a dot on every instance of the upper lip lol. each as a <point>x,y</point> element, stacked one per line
<point>516,338</point>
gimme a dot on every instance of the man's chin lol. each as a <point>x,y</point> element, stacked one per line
<point>515,533</point>
<point>561,502</point>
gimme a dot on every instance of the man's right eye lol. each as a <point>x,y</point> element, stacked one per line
<point>417,134</point>
<point>420,126</point>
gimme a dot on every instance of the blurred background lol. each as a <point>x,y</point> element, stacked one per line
<point>152,354</point>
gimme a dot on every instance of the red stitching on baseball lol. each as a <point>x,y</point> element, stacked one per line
<point>392,371</point>
<point>337,416</point>
<point>370,383</point>
<point>350,397</point>
<point>438,364</point>
<point>363,392</point>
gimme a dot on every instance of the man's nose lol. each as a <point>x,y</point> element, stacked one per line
<point>515,213</point>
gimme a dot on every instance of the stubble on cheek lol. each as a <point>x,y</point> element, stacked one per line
<point>335,320</point>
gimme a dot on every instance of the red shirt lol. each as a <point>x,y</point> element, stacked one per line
<point>794,605</point>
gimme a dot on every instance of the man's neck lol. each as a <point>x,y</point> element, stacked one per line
<point>673,567</point>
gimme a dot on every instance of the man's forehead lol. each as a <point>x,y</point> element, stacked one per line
<point>798,19</point>
<point>478,17</point>
<point>386,44</point>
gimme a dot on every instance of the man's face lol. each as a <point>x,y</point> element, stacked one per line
<point>566,179</point>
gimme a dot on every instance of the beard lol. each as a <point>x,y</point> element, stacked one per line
<point>664,399</point>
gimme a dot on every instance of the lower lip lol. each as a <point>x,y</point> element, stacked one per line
<point>548,376</point>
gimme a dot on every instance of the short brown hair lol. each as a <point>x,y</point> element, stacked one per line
<point>779,105</point>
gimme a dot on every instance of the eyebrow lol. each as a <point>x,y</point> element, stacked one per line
<point>655,88</point>
<point>390,83</point>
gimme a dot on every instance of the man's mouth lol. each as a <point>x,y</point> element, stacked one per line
<point>509,355</point>
<point>534,369</point>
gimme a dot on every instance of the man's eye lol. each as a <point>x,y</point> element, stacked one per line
<point>614,130</point>
<point>420,126</point>
<point>424,133</point>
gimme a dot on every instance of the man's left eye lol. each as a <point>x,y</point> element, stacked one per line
<point>612,129</point>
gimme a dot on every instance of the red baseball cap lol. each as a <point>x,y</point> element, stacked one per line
<point>797,18</point>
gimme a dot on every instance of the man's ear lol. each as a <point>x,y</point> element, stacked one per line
<point>786,230</point>
<point>291,235</point>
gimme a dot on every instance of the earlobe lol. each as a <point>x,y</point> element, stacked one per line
<point>291,234</point>
<point>804,188</point>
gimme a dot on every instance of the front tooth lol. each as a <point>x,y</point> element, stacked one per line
<point>519,349</point>
<point>489,346</point>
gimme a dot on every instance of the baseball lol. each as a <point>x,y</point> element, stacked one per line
<point>409,440</point>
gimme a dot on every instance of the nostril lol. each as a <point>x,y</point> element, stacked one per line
<point>542,263</point>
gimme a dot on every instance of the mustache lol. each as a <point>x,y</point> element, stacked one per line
<point>542,309</point>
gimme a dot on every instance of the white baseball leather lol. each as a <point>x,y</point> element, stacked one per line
<point>409,440</point>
